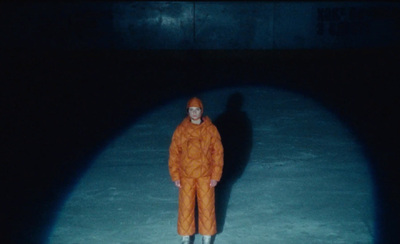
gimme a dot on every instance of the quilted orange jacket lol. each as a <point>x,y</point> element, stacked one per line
<point>196,151</point>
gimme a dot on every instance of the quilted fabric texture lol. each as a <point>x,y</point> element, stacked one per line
<point>196,157</point>
<point>190,189</point>
<point>196,151</point>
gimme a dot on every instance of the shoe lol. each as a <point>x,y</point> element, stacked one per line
<point>206,240</point>
<point>186,240</point>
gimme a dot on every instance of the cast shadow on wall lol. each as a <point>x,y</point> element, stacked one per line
<point>236,135</point>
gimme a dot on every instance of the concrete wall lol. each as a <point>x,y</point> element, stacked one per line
<point>199,25</point>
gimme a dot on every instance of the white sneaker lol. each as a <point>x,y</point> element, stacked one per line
<point>206,240</point>
<point>186,240</point>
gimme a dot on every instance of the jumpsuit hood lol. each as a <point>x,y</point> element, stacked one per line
<point>194,102</point>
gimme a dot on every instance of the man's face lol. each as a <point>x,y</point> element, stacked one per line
<point>195,113</point>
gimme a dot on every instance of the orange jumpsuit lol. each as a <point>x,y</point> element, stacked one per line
<point>196,157</point>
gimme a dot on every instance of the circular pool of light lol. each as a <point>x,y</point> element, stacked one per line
<point>304,177</point>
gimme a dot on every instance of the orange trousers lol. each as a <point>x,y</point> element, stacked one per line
<point>190,189</point>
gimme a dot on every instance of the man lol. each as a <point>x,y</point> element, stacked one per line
<point>195,165</point>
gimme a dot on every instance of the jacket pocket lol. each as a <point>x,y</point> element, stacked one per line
<point>194,150</point>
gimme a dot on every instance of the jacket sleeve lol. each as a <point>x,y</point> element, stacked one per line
<point>174,156</point>
<point>217,155</point>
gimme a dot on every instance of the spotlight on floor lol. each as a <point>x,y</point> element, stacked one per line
<point>304,177</point>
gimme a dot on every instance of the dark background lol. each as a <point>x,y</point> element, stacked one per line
<point>59,108</point>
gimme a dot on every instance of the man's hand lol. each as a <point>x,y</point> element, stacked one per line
<point>213,183</point>
<point>178,183</point>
